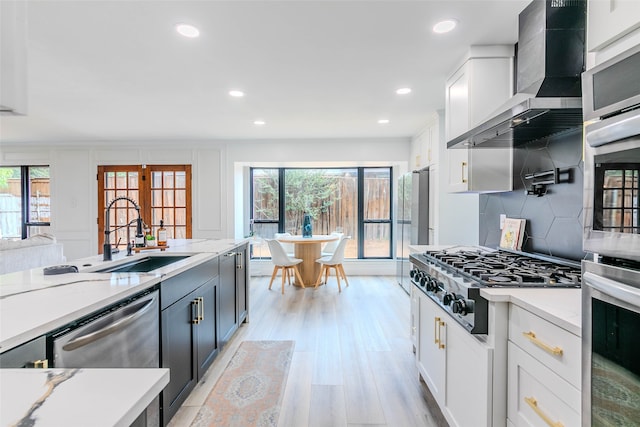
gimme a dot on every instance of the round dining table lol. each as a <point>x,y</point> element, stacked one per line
<point>308,249</point>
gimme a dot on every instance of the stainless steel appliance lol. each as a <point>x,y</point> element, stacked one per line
<point>550,59</point>
<point>611,295</point>
<point>612,157</point>
<point>610,349</point>
<point>412,220</point>
<point>453,278</point>
<point>125,335</point>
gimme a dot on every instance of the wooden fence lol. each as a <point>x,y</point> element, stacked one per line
<point>338,212</point>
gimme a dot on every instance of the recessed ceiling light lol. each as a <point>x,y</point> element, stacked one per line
<point>403,91</point>
<point>445,26</point>
<point>236,93</point>
<point>259,123</point>
<point>187,30</point>
<point>383,121</point>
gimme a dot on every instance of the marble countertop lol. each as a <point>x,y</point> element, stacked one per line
<point>77,397</point>
<point>32,304</point>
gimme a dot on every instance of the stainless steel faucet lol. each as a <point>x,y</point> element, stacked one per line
<point>106,248</point>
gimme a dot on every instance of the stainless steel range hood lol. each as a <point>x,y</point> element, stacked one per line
<point>550,61</point>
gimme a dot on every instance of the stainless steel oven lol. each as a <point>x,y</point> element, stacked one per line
<point>611,106</point>
<point>610,345</point>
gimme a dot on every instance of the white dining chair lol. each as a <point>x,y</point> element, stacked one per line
<point>281,261</point>
<point>289,248</point>
<point>331,246</point>
<point>333,261</point>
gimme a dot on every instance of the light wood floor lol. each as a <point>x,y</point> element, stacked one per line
<point>353,363</point>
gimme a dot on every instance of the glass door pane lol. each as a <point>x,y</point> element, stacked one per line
<point>171,199</point>
<point>118,181</point>
<point>377,212</point>
<point>10,203</point>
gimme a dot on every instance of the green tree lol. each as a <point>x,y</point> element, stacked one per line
<point>5,174</point>
<point>266,194</point>
<point>311,191</point>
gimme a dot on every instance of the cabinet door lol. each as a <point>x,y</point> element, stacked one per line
<point>468,379</point>
<point>458,161</point>
<point>415,315</point>
<point>241,283</point>
<point>178,353</point>
<point>206,328</point>
<point>432,346</point>
<point>457,103</point>
<point>537,396</point>
<point>228,316</point>
<point>32,354</point>
<point>610,20</point>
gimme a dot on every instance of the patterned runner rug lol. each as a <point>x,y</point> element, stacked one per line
<point>249,391</point>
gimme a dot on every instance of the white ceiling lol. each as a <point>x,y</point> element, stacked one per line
<point>117,70</point>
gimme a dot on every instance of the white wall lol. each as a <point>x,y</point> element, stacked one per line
<point>219,189</point>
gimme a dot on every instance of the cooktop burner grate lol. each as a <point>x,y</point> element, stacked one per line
<point>503,268</point>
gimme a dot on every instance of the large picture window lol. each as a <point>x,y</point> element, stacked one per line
<point>353,201</point>
<point>25,200</point>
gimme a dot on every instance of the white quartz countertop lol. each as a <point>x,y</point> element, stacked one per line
<point>32,304</point>
<point>77,397</point>
<point>562,307</point>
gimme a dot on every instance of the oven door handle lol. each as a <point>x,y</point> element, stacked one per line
<point>612,288</point>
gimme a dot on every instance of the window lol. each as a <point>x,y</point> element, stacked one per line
<point>163,192</point>
<point>619,201</point>
<point>353,201</point>
<point>25,199</point>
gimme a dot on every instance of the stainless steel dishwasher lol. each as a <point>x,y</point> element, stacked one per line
<point>124,335</point>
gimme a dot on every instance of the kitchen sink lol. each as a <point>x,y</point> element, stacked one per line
<point>144,265</point>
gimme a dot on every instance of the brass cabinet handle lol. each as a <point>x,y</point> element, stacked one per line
<point>556,351</point>
<point>38,364</point>
<point>201,306</point>
<point>440,344</point>
<point>464,165</point>
<point>195,319</point>
<point>436,331</point>
<point>239,265</point>
<point>533,403</point>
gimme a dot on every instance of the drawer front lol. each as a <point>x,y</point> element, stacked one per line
<point>556,348</point>
<point>537,396</point>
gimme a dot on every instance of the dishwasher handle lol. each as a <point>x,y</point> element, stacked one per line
<point>114,327</point>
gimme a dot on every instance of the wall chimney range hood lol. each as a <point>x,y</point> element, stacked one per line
<point>550,62</point>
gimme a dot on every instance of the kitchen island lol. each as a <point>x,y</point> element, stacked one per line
<point>209,282</point>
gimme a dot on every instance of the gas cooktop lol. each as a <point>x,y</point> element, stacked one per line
<point>507,269</point>
<point>453,278</point>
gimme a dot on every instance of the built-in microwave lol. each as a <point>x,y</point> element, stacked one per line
<point>611,106</point>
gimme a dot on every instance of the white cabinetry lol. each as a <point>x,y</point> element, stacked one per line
<point>543,372</point>
<point>455,365</point>
<point>13,56</point>
<point>425,145</point>
<point>431,350</point>
<point>609,20</point>
<point>473,92</point>
<point>415,317</point>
